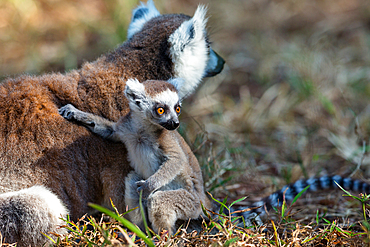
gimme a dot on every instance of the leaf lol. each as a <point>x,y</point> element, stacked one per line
<point>114,206</point>
<point>317,217</point>
<point>125,222</point>
<point>206,213</point>
<point>348,194</point>
<point>52,240</point>
<point>231,241</point>
<point>143,214</point>
<point>299,194</point>
<point>283,207</point>
<point>239,200</point>
<point>222,206</point>
<point>218,226</point>
<point>276,236</point>
<point>218,201</point>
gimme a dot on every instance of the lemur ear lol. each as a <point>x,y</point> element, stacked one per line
<point>177,82</point>
<point>135,91</point>
<point>140,16</point>
<point>190,32</point>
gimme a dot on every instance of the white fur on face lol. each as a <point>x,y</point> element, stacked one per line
<point>189,51</point>
<point>149,12</point>
<point>168,97</point>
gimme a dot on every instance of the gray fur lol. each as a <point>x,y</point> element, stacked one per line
<point>170,181</point>
<point>37,208</point>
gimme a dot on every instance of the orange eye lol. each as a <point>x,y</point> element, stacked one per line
<point>178,109</point>
<point>160,110</point>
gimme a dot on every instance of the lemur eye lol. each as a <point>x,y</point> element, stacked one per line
<point>160,110</point>
<point>178,109</point>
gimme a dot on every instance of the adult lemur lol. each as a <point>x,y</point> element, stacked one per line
<point>166,170</point>
<point>50,167</point>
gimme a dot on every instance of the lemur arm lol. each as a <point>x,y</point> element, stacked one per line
<point>96,124</point>
<point>167,172</point>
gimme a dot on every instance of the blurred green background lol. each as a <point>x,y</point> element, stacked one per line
<point>292,101</point>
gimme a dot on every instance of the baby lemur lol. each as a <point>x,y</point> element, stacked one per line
<point>166,170</point>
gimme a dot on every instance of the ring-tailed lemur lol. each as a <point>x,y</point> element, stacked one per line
<point>161,164</point>
<point>43,156</point>
<point>166,170</point>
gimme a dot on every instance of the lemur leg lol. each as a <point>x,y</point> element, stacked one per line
<point>132,199</point>
<point>166,207</point>
<point>96,124</point>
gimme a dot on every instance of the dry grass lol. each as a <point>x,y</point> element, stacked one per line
<point>278,232</point>
<point>292,101</point>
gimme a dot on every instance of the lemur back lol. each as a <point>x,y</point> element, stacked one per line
<point>166,171</point>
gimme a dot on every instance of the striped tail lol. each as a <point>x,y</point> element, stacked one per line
<point>289,192</point>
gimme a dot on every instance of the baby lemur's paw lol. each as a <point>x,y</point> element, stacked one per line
<point>68,112</point>
<point>143,186</point>
<point>71,113</point>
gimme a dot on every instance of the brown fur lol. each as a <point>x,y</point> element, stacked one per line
<point>38,146</point>
<point>153,87</point>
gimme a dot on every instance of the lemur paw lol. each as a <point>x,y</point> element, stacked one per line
<point>68,112</point>
<point>143,186</point>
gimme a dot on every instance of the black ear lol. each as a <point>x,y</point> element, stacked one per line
<point>140,16</point>
<point>139,13</point>
<point>132,97</point>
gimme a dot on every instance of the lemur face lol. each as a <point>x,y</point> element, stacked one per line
<point>155,101</point>
<point>186,43</point>
<point>166,109</point>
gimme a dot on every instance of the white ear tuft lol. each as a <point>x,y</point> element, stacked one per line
<point>190,31</point>
<point>177,82</point>
<point>199,17</point>
<point>189,51</point>
<point>140,16</point>
<point>133,83</point>
<point>134,90</point>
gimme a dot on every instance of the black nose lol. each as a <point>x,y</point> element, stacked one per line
<point>171,125</point>
<point>215,64</point>
<point>175,124</point>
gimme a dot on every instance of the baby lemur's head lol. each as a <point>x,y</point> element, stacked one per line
<point>155,101</point>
